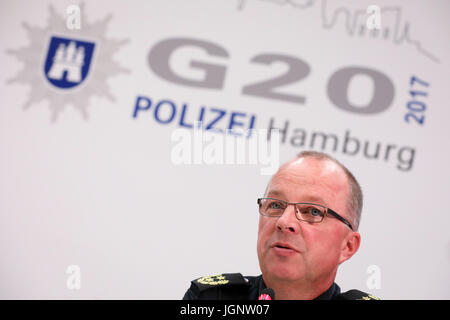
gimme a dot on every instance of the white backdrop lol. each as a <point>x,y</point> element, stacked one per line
<point>88,180</point>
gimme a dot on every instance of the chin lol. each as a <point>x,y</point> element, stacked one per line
<point>283,271</point>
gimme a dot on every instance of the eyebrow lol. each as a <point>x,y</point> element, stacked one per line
<point>309,198</point>
<point>275,193</point>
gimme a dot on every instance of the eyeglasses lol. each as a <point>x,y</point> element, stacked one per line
<point>304,211</point>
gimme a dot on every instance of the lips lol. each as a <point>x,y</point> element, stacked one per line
<point>284,248</point>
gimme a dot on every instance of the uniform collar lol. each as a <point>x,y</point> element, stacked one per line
<point>329,294</point>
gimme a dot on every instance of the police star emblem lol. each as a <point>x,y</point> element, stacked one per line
<point>213,280</point>
<point>73,64</point>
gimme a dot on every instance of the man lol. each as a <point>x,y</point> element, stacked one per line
<point>309,217</point>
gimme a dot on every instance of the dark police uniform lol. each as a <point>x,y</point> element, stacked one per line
<point>234,286</point>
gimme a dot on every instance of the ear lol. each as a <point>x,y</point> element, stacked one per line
<point>350,245</point>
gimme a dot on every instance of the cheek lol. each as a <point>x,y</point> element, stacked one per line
<point>265,229</point>
<point>323,246</point>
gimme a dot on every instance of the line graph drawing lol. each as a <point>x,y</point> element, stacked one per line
<point>355,22</point>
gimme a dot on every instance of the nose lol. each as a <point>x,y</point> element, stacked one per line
<point>288,222</point>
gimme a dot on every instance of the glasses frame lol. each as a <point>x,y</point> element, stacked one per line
<point>328,210</point>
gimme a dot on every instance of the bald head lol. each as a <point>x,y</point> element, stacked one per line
<point>321,169</point>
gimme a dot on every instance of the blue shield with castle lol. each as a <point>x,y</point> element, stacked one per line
<point>68,61</point>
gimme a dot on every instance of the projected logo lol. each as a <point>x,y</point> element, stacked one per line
<point>359,22</point>
<point>74,63</point>
<point>68,61</point>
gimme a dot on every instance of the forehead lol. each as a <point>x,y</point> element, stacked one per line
<point>310,180</point>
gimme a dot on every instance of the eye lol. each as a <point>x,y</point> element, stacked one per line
<point>271,207</point>
<point>275,205</point>
<point>312,211</point>
<point>315,212</point>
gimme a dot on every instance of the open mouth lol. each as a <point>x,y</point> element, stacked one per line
<point>283,248</point>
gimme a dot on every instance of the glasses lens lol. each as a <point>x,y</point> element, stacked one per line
<point>310,212</point>
<point>271,207</point>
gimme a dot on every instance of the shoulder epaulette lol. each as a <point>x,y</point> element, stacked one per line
<point>356,295</point>
<point>220,280</point>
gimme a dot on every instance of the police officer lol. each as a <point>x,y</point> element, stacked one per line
<point>308,226</point>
